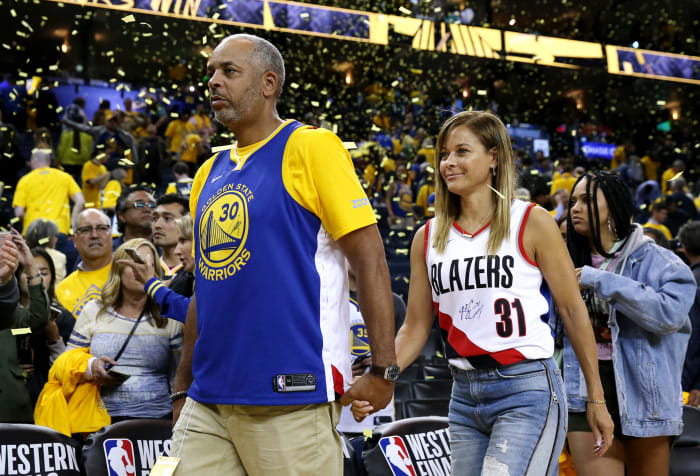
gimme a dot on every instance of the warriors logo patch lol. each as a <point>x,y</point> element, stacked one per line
<point>223,230</point>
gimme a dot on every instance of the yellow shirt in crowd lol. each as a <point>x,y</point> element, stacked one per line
<point>423,194</point>
<point>662,228</point>
<point>665,177</point>
<point>178,130</point>
<point>189,151</point>
<point>111,194</point>
<point>565,180</point>
<point>91,193</point>
<point>81,287</point>
<point>45,193</point>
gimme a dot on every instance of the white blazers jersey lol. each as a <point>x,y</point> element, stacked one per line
<point>490,306</point>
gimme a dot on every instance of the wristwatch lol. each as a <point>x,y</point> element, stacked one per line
<point>390,373</point>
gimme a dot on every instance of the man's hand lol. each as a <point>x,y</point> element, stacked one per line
<point>9,261</point>
<point>25,254</point>
<point>142,271</point>
<point>694,398</point>
<point>360,367</point>
<point>370,388</point>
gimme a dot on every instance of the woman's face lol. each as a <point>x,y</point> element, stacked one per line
<point>183,250</point>
<point>465,164</point>
<point>128,279</point>
<point>44,270</point>
<point>580,202</point>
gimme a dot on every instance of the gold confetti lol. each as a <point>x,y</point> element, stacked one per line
<point>43,241</point>
<point>128,19</point>
<point>14,220</point>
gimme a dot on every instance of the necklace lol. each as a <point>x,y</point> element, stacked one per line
<point>483,225</point>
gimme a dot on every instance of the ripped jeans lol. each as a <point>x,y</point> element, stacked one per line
<point>508,421</point>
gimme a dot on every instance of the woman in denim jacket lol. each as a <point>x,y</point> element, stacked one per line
<point>638,296</point>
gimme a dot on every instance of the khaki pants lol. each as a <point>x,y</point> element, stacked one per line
<point>295,440</point>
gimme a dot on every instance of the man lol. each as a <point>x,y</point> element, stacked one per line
<point>183,182</point>
<point>659,214</point>
<point>74,147</point>
<point>165,232</point>
<point>270,313</point>
<point>689,236</point>
<point>134,214</point>
<point>93,240</point>
<point>46,192</point>
<point>94,178</point>
<point>177,131</point>
<point>119,142</point>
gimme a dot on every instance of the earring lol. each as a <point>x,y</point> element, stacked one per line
<point>610,228</point>
<point>493,171</point>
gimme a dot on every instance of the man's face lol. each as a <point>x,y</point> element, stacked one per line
<point>139,210</point>
<point>93,236</point>
<point>235,81</point>
<point>165,231</point>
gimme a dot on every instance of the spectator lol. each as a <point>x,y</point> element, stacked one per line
<point>425,190</point>
<point>9,291</point>
<point>15,399</point>
<point>93,239</point>
<point>94,177</point>
<point>151,354</point>
<point>74,147</point>
<point>192,151</point>
<point>565,181</point>
<point>202,124</point>
<point>173,298</point>
<point>659,214</point>
<point>521,193</point>
<point>113,190</point>
<point>135,214</point>
<point>165,232</point>
<point>638,297</point>
<point>43,233</point>
<point>658,236</point>
<point>118,142</point>
<point>561,198</point>
<point>647,193</point>
<point>689,237</point>
<point>399,200</point>
<point>677,167</point>
<point>46,192</point>
<point>183,183</point>
<point>177,131</point>
<point>154,159</point>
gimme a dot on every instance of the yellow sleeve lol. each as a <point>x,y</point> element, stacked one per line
<point>170,130</point>
<point>198,182</point>
<point>171,189</point>
<point>20,198</point>
<point>422,199</point>
<point>72,185</point>
<point>319,175</point>
<point>111,194</point>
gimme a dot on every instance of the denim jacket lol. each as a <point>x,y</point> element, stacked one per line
<point>650,294</point>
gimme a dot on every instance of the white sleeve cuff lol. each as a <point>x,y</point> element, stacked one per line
<point>88,371</point>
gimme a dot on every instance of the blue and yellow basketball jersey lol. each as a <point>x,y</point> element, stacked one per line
<point>271,281</point>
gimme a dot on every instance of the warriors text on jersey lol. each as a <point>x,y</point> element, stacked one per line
<point>489,306</point>
<point>271,282</point>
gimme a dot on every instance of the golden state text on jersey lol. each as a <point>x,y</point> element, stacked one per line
<point>223,231</point>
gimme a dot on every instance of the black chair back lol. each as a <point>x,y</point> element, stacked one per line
<point>33,449</point>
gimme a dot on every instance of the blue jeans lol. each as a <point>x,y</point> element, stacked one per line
<point>508,421</point>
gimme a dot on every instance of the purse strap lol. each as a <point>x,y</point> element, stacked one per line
<point>128,338</point>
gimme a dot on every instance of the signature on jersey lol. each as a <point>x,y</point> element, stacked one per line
<point>471,310</point>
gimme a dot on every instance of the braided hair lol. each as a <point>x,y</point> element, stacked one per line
<point>620,205</point>
<point>621,209</point>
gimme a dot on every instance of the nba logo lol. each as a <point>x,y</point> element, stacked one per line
<point>119,453</point>
<point>394,450</point>
<point>281,387</point>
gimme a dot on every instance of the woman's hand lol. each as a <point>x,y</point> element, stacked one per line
<point>360,409</point>
<point>602,426</point>
<point>25,254</point>
<point>99,373</point>
<point>142,271</point>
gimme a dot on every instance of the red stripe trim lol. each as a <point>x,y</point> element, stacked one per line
<point>337,381</point>
<point>466,348</point>
<point>425,240</point>
<point>459,229</point>
<point>521,233</point>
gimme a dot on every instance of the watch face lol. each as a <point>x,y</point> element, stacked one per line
<point>392,373</point>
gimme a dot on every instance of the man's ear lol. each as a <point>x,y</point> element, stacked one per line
<point>270,84</point>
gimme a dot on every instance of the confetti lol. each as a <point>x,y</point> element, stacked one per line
<point>128,19</point>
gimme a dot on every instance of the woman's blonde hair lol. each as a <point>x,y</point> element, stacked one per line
<point>492,134</point>
<point>112,295</point>
<point>184,226</point>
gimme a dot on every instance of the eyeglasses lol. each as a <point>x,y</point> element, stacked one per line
<point>100,229</point>
<point>141,204</point>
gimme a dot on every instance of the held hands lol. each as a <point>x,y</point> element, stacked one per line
<point>372,391</point>
<point>602,426</point>
<point>694,398</point>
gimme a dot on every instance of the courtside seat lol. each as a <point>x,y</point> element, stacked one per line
<point>431,389</point>
<point>37,450</point>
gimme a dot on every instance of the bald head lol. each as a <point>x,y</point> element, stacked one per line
<point>93,216</point>
<point>263,54</point>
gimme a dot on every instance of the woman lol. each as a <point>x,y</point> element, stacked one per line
<point>174,297</point>
<point>480,264</point>
<point>150,356</point>
<point>638,296</point>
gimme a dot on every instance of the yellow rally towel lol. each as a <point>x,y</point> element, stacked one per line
<point>67,403</point>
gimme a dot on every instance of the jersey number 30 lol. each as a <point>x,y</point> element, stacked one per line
<point>504,327</point>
